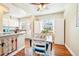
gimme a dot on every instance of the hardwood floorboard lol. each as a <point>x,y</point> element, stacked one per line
<point>59,50</point>
<point>20,53</point>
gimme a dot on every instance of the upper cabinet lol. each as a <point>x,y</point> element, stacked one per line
<point>3,10</point>
<point>11,22</point>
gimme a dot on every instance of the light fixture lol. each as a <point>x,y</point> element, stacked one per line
<point>40,6</point>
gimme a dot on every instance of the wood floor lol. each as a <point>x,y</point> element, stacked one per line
<point>59,50</point>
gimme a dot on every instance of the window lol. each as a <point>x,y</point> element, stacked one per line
<point>47,24</point>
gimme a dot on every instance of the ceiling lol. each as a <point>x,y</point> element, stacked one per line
<point>20,10</point>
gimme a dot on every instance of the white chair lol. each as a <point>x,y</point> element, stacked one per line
<point>39,45</point>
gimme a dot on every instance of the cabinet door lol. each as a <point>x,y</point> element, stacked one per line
<point>3,46</point>
<point>0,47</point>
<point>14,43</point>
<point>20,41</point>
<point>10,45</point>
<point>6,46</point>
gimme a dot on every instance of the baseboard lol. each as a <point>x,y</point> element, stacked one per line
<point>13,53</point>
<point>73,54</point>
<point>58,43</point>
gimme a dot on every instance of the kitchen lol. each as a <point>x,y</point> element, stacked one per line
<point>17,26</point>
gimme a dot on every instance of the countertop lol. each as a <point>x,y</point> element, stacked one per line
<point>10,34</point>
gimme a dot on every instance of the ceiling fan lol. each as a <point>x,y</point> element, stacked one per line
<point>40,6</point>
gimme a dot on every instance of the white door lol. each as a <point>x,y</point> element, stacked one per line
<point>59,31</point>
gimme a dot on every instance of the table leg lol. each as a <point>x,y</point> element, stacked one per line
<point>30,43</point>
<point>51,46</point>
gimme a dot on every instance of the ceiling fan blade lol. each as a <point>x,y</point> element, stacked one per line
<point>39,3</point>
<point>35,3</point>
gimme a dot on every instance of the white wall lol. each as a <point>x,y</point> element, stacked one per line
<point>1,20</point>
<point>59,28</point>
<point>3,10</point>
<point>72,32</point>
<point>37,27</point>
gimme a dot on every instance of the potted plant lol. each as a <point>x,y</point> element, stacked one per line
<point>44,32</point>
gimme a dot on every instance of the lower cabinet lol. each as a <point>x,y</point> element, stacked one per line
<point>1,51</point>
<point>8,45</point>
<point>14,43</point>
<point>5,46</point>
<point>11,43</point>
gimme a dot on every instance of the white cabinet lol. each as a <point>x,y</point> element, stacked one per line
<point>4,46</point>
<point>20,41</point>
<point>10,44</point>
<point>0,47</point>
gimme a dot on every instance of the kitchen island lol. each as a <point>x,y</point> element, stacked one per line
<point>11,43</point>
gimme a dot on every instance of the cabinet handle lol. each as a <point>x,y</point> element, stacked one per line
<point>2,45</point>
<point>12,41</point>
